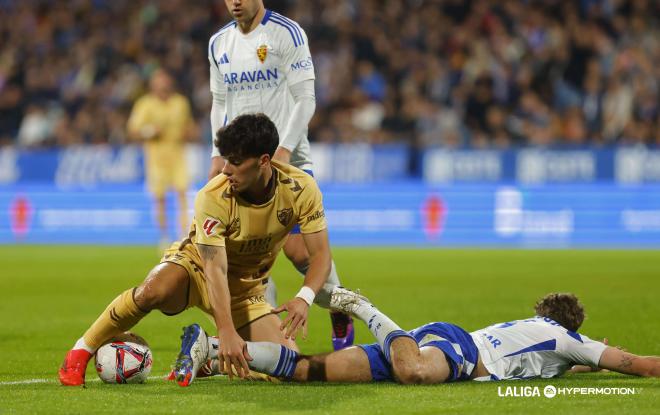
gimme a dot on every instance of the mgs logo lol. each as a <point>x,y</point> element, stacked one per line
<point>284,216</point>
<point>257,299</point>
<point>305,64</point>
<point>262,53</point>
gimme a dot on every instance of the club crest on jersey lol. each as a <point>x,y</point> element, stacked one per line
<point>285,216</point>
<point>262,53</point>
<point>209,226</point>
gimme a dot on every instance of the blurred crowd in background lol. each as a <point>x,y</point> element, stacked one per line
<point>451,73</point>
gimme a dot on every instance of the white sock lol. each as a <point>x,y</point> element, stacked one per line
<point>213,347</point>
<point>272,358</point>
<point>271,292</point>
<point>269,358</point>
<point>333,278</point>
<point>80,344</point>
<point>382,327</point>
<point>322,299</point>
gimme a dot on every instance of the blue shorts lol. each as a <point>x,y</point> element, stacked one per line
<point>457,345</point>
<point>296,227</point>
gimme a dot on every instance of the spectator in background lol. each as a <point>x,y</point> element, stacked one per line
<point>11,97</point>
<point>573,128</point>
<point>592,107</point>
<point>617,108</point>
<point>162,121</point>
<point>479,103</point>
<point>35,127</point>
<point>593,60</point>
<point>496,127</point>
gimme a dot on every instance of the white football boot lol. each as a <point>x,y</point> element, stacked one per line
<point>347,301</point>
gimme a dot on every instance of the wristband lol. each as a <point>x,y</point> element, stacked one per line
<point>307,294</point>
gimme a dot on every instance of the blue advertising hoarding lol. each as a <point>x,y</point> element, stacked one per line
<point>98,166</point>
<point>401,214</point>
<point>529,197</point>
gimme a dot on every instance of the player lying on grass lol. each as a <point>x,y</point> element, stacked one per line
<point>546,345</point>
<point>242,219</point>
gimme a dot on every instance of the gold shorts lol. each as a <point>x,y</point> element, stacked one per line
<point>247,300</point>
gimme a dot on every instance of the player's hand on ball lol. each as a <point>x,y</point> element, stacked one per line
<point>296,318</point>
<point>232,352</point>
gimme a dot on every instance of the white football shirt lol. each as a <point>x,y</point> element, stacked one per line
<point>254,72</point>
<point>536,347</point>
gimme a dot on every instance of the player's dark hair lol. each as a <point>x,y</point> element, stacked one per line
<point>564,308</point>
<point>248,135</point>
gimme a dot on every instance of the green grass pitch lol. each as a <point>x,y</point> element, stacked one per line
<point>51,294</point>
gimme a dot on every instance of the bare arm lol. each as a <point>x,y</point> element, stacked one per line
<point>630,364</point>
<point>584,369</point>
<point>215,269</point>
<point>233,349</point>
<point>320,259</point>
<point>317,274</point>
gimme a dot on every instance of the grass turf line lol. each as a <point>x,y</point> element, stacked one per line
<point>53,293</point>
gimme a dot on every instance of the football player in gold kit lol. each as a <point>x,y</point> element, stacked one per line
<point>162,121</point>
<point>242,219</point>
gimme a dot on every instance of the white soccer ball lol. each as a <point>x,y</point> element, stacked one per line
<point>125,359</point>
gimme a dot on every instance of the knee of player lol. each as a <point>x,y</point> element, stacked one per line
<point>149,296</point>
<point>409,373</point>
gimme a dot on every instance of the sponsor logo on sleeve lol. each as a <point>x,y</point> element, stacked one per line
<point>209,226</point>
<point>316,216</point>
<point>303,64</point>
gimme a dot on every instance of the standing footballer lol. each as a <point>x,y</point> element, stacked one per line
<point>261,62</point>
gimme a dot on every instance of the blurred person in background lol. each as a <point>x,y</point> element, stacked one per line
<point>162,121</point>
<point>35,128</point>
<point>600,56</point>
